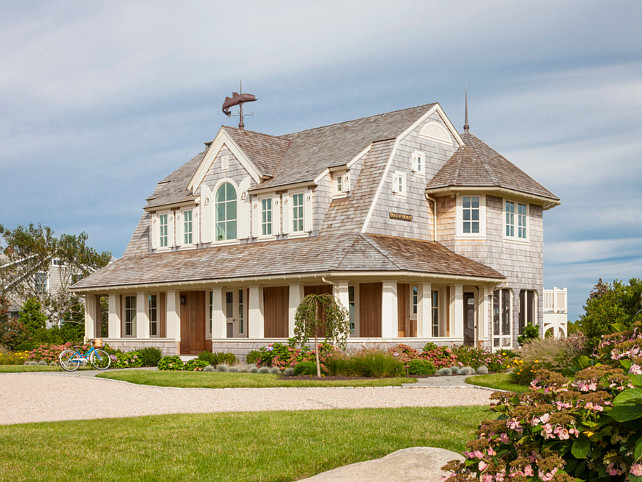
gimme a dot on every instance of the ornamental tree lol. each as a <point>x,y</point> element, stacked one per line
<point>321,316</point>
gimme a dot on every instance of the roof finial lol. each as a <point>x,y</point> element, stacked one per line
<point>466,126</point>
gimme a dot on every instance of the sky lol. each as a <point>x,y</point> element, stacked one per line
<point>101,100</point>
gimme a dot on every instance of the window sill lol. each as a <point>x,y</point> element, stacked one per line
<point>226,242</point>
<point>522,242</point>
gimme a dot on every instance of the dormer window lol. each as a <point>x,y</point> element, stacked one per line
<point>163,234</point>
<point>187,227</point>
<point>341,183</point>
<point>266,216</point>
<point>418,163</point>
<point>297,212</point>
<point>399,183</point>
<point>225,212</point>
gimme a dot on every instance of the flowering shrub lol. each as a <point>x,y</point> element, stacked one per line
<point>524,371</point>
<point>288,356</point>
<point>15,358</point>
<point>196,365</point>
<point>470,356</point>
<point>131,359</point>
<point>559,430</point>
<point>170,363</point>
<point>50,353</point>
<point>440,356</point>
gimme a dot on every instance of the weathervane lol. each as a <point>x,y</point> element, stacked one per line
<point>238,98</point>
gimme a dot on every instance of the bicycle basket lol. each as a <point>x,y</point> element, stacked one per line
<point>98,343</point>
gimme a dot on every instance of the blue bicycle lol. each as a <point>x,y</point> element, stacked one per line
<point>70,360</point>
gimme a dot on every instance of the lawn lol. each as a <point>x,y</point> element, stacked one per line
<point>500,381</point>
<point>267,446</point>
<point>29,368</point>
<point>238,380</point>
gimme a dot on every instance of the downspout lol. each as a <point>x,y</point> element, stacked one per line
<point>434,216</point>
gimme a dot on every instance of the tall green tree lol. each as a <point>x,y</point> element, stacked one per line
<point>321,315</point>
<point>608,304</point>
<point>27,260</point>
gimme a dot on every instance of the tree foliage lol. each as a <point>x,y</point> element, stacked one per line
<point>609,304</point>
<point>27,256</point>
<point>321,316</point>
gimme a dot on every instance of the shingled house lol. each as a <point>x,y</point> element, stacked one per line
<point>422,233</point>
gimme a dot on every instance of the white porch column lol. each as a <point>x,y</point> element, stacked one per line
<point>114,316</point>
<point>456,308</point>
<point>389,313</point>
<point>173,317</point>
<point>219,320</point>
<point>424,311</point>
<point>484,314</point>
<point>91,314</point>
<point>341,294</point>
<point>296,297</point>
<point>142,319</point>
<point>256,326</point>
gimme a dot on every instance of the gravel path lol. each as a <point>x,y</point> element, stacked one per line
<point>40,397</point>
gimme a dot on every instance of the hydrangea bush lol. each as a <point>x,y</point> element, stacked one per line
<point>585,428</point>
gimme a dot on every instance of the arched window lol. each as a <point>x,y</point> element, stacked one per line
<point>225,207</point>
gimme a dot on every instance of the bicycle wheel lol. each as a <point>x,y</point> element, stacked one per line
<point>69,361</point>
<point>100,359</point>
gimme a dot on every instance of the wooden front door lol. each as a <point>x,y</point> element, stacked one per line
<point>403,310</point>
<point>192,322</point>
<point>370,309</point>
<point>469,319</point>
<point>275,311</point>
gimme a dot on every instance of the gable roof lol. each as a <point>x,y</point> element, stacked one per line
<point>173,189</point>
<point>264,150</point>
<point>475,164</point>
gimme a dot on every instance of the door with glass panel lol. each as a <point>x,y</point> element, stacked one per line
<point>236,313</point>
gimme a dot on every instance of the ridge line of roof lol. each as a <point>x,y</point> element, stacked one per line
<point>356,119</point>
<point>384,254</point>
<point>481,159</point>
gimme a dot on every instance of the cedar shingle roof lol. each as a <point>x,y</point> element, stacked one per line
<point>355,252</point>
<point>173,189</point>
<point>475,164</point>
<point>264,151</point>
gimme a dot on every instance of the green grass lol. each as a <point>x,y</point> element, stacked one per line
<point>238,380</point>
<point>266,446</point>
<point>500,381</point>
<point>29,368</point>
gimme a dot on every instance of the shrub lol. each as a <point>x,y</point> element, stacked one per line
<point>170,363</point>
<point>444,372</point>
<point>221,368</point>
<point>209,368</point>
<point>531,332</point>
<point>586,429</point>
<point>252,370</point>
<point>288,372</point>
<point>150,356</point>
<point>208,356</point>
<point>131,359</point>
<point>263,370</point>
<point>228,358</point>
<point>339,364</point>
<point>376,363</point>
<point>421,367</point>
<point>218,358</point>
<point>16,358</point>
<point>466,371</point>
<point>253,357</point>
<point>275,371</point>
<point>50,353</point>
<point>233,369</point>
<point>306,368</point>
<point>195,365</point>
<point>482,370</point>
<point>440,356</point>
<point>524,371</point>
<point>454,370</point>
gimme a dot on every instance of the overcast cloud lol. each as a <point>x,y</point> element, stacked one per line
<point>101,100</point>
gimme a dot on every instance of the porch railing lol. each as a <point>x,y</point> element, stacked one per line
<point>555,301</point>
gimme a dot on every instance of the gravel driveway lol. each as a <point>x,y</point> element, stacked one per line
<point>45,397</point>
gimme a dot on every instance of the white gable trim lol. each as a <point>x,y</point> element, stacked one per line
<point>222,139</point>
<point>436,108</point>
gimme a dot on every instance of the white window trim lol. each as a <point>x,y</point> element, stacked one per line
<point>416,170</point>
<point>224,242</point>
<point>158,313</point>
<point>180,231</point>
<point>508,335</point>
<point>482,218</point>
<point>395,184</point>
<point>302,232</point>
<point>170,230</point>
<point>259,233</point>
<point>413,316</point>
<point>345,184</point>
<point>515,239</point>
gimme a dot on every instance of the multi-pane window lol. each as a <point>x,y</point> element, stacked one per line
<point>266,216</point>
<point>210,312</point>
<point>501,318</point>
<point>225,208</point>
<point>40,282</point>
<point>418,162</point>
<point>152,313</point>
<point>241,309</point>
<point>399,183</point>
<point>130,315</point>
<point>339,183</point>
<point>435,313</point>
<point>527,306</point>
<point>510,219</point>
<point>297,212</point>
<point>415,299</point>
<point>351,307</point>
<point>521,221</point>
<point>471,215</point>
<point>187,226</point>
<point>162,226</point>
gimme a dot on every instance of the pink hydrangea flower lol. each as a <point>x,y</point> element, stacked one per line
<point>636,469</point>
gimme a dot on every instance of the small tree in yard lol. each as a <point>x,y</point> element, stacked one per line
<point>321,314</point>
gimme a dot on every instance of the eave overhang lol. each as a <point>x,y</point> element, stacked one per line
<point>546,202</point>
